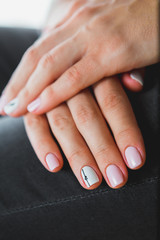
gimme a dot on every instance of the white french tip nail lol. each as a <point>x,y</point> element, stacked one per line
<point>137,76</point>
<point>89,176</point>
<point>11,106</point>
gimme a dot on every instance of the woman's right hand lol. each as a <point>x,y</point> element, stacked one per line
<point>95,42</point>
<point>80,127</point>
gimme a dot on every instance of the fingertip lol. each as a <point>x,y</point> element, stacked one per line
<point>116,176</point>
<point>130,83</point>
<point>53,162</point>
<point>134,158</point>
<point>11,107</point>
<point>94,186</point>
<point>91,178</point>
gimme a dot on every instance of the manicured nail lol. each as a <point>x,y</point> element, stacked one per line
<point>34,105</point>
<point>3,102</point>
<point>52,161</point>
<point>115,176</point>
<point>11,106</point>
<point>133,157</point>
<point>135,74</point>
<point>89,176</point>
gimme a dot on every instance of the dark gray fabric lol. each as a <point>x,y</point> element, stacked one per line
<point>36,204</point>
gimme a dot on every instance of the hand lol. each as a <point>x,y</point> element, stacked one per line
<point>80,52</point>
<point>81,130</point>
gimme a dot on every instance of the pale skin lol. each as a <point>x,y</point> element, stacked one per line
<point>101,39</point>
<point>79,124</point>
<point>81,130</point>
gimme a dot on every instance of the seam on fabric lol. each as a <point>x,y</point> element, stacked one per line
<point>76,197</point>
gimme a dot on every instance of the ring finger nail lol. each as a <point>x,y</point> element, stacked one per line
<point>11,106</point>
<point>52,161</point>
<point>114,175</point>
<point>133,157</point>
<point>89,176</point>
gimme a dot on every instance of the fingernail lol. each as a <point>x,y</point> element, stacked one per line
<point>3,102</point>
<point>52,161</point>
<point>115,176</point>
<point>133,157</point>
<point>11,106</point>
<point>34,105</point>
<point>137,76</point>
<point>89,176</point>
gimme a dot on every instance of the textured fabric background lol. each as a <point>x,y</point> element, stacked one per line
<point>36,204</point>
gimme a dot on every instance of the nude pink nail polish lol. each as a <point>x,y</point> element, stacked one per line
<point>52,161</point>
<point>133,157</point>
<point>115,176</point>
<point>34,105</point>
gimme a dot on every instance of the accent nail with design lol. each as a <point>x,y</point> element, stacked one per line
<point>89,176</point>
<point>11,106</point>
<point>136,75</point>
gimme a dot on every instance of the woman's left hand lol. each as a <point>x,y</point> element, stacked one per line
<point>82,132</point>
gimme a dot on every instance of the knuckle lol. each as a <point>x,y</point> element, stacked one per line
<point>47,60</point>
<point>76,153</point>
<point>126,133</point>
<point>84,11</point>
<point>73,77</point>
<point>103,150</point>
<point>84,115</point>
<point>31,54</point>
<point>94,19</point>
<point>32,121</point>
<point>115,43</point>
<point>59,120</point>
<point>25,93</point>
<point>11,89</point>
<point>94,60</point>
<point>111,101</point>
<point>48,93</point>
<point>42,42</point>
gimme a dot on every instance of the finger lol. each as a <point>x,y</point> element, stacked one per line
<point>42,142</point>
<point>43,45</point>
<point>134,80</point>
<point>118,112</point>
<point>76,78</point>
<point>50,67</point>
<point>74,147</point>
<point>94,130</point>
